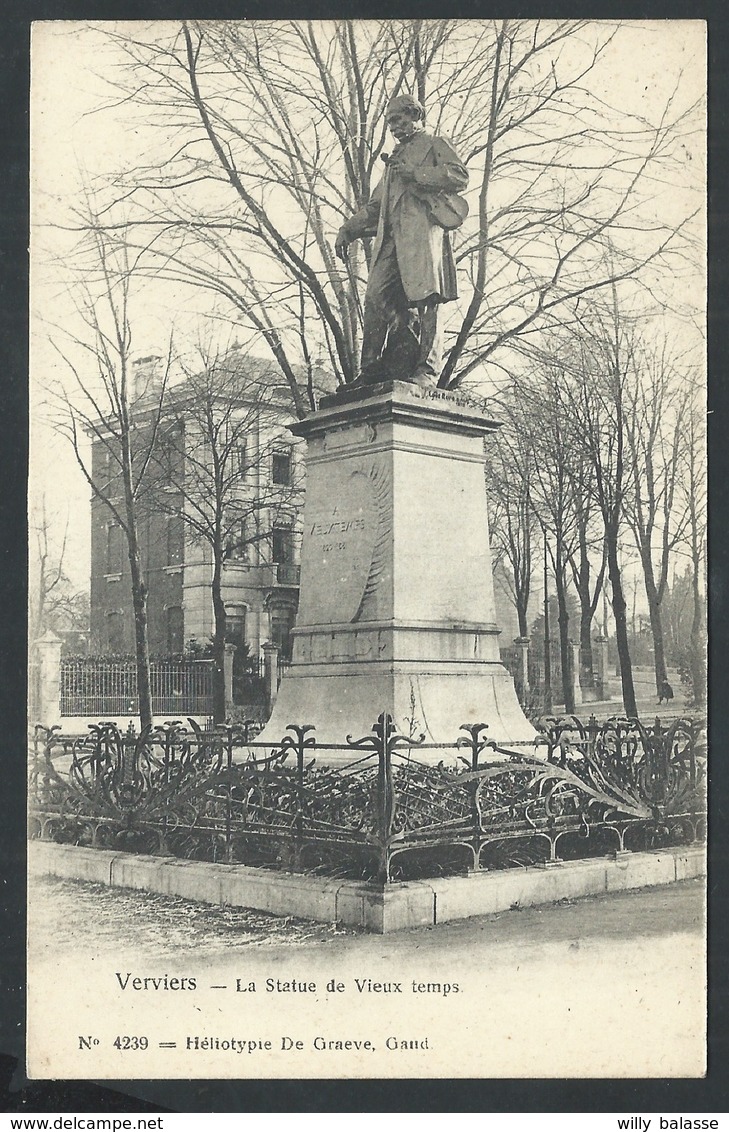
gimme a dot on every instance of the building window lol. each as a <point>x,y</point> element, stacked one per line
<point>175,629</point>
<point>113,549</point>
<point>174,540</point>
<point>104,462</point>
<point>235,624</point>
<point>241,460</point>
<point>282,543</point>
<point>114,633</point>
<point>282,466</point>
<point>238,540</point>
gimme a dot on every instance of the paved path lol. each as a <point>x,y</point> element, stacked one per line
<point>648,708</point>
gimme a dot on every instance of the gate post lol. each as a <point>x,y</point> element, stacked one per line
<point>228,671</point>
<point>603,670</point>
<point>522,670</point>
<point>49,679</point>
<point>270,669</point>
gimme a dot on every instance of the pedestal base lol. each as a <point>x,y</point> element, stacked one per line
<point>430,699</point>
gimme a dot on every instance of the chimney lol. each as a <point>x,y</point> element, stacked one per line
<point>146,374</point>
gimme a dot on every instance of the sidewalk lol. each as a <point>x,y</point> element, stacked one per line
<point>648,708</point>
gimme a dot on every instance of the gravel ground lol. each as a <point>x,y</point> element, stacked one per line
<point>65,912</point>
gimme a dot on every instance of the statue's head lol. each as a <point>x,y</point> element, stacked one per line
<point>404,116</point>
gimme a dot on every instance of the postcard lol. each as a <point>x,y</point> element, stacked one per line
<point>367,549</point>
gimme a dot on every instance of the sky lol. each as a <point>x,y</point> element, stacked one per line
<point>76,136</point>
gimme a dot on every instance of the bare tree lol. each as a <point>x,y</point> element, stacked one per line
<point>289,118</point>
<point>540,409</point>
<point>547,209</point>
<point>587,559</point>
<point>99,403</point>
<point>54,603</point>
<point>221,467</point>
<point>693,488</point>
<point>564,488</point>
<point>270,133</point>
<point>655,426</point>
<point>541,479</point>
<point>599,408</point>
<point>509,474</point>
<point>678,612</point>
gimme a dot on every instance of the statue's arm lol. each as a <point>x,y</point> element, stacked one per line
<point>363,223</point>
<point>447,173</point>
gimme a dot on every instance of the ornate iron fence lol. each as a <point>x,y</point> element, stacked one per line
<point>581,789</point>
<point>97,687</point>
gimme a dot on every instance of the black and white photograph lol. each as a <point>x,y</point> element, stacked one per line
<point>367,629</point>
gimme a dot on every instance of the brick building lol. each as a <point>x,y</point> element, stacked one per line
<point>261,571</point>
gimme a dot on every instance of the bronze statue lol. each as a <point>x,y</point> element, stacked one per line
<point>412,270</point>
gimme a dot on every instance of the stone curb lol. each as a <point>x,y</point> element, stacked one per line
<point>411,904</point>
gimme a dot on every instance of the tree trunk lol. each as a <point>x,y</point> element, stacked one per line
<point>697,657</point>
<point>587,671</point>
<point>654,612</point>
<point>141,636</point>
<point>587,612</point>
<point>621,626</point>
<point>218,639</point>
<point>521,615</point>
<point>563,620</point>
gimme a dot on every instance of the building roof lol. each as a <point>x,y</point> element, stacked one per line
<point>258,374</point>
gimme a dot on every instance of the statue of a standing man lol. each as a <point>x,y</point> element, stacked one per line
<point>412,270</point>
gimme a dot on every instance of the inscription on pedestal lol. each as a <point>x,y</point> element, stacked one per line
<point>322,648</point>
<point>339,538</point>
<point>347,539</point>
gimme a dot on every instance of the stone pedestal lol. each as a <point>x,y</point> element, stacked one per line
<point>396,610</point>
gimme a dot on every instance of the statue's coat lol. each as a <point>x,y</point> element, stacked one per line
<point>423,249</point>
